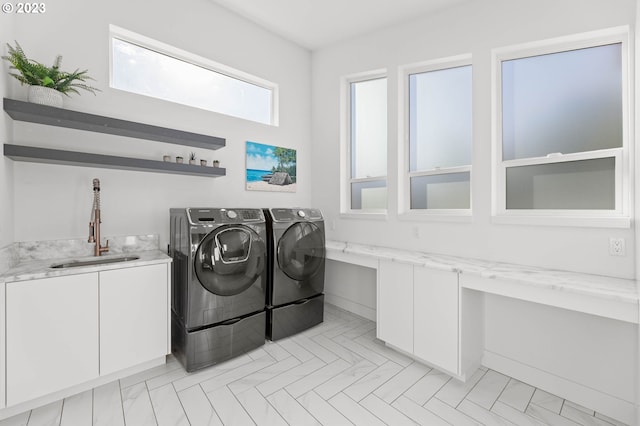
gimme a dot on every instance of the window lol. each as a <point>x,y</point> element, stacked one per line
<point>437,160</point>
<point>561,115</point>
<point>147,67</point>
<point>366,145</point>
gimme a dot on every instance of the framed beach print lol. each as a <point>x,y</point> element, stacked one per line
<point>270,168</point>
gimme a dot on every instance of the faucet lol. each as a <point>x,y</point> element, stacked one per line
<point>94,224</point>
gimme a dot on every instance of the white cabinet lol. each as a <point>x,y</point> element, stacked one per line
<point>51,335</point>
<point>436,318</point>
<point>395,304</point>
<point>419,313</point>
<point>67,331</point>
<point>133,316</point>
<point>3,353</point>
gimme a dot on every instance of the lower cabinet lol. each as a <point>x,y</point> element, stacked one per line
<point>133,311</point>
<point>418,313</point>
<point>435,313</point>
<point>395,305</point>
<point>52,335</point>
<point>65,331</point>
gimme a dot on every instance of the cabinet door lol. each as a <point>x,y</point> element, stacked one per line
<point>52,335</point>
<point>133,316</point>
<point>395,304</point>
<point>436,317</point>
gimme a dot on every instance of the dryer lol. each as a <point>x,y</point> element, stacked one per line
<point>219,280</point>
<point>296,244</point>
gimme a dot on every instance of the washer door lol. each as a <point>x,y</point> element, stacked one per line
<point>301,251</point>
<point>230,259</point>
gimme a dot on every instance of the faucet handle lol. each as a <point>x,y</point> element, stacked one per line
<point>104,248</point>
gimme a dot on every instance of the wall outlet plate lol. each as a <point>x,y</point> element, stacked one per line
<point>617,247</point>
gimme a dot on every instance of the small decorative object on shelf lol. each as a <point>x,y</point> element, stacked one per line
<point>216,163</point>
<point>166,158</point>
<point>46,84</point>
<point>179,160</point>
<point>192,158</point>
<point>203,162</point>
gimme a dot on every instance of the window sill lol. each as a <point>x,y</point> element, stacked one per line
<point>569,221</point>
<point>464,216</point>
<point>364,215</point>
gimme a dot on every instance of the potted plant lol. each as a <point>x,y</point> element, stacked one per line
<point>46,84</point>
<point>192,158</point>
<point>203,162</point>
<point>216,163</point>
<point>179,160</point>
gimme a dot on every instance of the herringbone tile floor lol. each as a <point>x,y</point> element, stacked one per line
<point>334,374</point>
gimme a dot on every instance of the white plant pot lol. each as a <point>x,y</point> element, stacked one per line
<point>44,96</point>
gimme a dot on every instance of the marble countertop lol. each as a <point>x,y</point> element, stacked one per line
<point>41,268</point>
<point>30,260</point>
<point>623,290</point>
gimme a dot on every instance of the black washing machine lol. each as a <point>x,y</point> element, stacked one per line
<point>219,281</point>
<point>296,244</point>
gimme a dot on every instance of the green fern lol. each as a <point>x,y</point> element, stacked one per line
<point>34,73</point>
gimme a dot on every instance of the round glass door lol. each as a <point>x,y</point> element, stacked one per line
<point>301,251</point>
<point>230,259</point>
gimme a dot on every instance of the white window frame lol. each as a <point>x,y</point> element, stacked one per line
<point>404,179</point>
<point>346,179</point>
<point>620,217</point>
<point>174,52</point>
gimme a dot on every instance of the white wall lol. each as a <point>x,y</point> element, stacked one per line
<point>54,202</point>
<point>351,287</point>
<point>6,165</point>
<point>567,350</point>
<point>475,27</point>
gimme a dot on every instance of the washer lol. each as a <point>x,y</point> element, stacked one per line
<point>219,280</point>
<point>295,299</point>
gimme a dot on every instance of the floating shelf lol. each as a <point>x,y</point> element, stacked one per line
<point>73,158</point>
<point>60,117</point>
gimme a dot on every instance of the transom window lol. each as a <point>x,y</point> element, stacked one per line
<point>562,139</point>
<point>147,67</point>
<point>437,159</point>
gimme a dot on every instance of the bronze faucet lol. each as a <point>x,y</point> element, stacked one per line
<point>94,224</point>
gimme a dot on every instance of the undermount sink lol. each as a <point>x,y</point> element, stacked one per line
<point>92,262</point>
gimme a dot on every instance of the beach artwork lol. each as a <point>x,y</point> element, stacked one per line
<point>270,168</point>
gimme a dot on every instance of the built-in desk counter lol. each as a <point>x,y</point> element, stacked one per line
<point>609,297</point>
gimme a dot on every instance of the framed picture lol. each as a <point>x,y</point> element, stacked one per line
<point>270,168</point>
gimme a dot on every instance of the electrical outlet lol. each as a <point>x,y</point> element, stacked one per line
<point>617,247</point>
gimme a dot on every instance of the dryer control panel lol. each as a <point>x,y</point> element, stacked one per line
<point>295,214</point>
<point>210,216</point>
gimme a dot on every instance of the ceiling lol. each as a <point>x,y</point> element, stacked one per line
<point>314,24</point>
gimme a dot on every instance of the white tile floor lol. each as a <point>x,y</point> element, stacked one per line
<point>334,374</point>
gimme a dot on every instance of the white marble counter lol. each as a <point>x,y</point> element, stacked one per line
<point>617,289</point>
<point>33,260</point>
<point>41,268</point>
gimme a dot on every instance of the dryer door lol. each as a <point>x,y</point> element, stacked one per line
<point>230,259</point>
<point>301,251</point>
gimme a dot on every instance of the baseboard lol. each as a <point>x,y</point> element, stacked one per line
<point>351,306</point>
<point>56,396</point>
<point>602,403</point>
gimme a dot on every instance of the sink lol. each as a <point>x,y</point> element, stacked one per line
<point>92,262</point>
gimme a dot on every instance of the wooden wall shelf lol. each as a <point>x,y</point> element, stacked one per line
<point>73,158</point>
<point>60,117</point>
